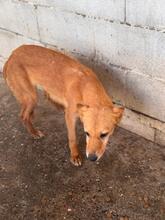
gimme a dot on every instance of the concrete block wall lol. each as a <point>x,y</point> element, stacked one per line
<point>122,40</point>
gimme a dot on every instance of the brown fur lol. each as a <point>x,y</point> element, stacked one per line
<point>67,83</point>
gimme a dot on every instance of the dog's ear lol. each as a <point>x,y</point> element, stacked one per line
<point>118,112</point>
<point>81,109</point>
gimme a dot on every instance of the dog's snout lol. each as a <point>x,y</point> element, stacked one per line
<point>92,157</point>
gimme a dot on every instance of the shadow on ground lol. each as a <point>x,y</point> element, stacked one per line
<point>37,181</point>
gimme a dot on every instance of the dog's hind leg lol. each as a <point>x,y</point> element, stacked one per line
<point>25,93</point>
<point>26,116</point>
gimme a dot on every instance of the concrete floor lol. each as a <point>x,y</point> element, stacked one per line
<point>37,181</point>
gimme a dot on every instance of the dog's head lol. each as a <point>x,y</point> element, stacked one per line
<point>99,124</point>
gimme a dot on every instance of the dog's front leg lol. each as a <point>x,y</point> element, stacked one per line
<point>70,118</point>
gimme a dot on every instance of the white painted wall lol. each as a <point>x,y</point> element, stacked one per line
<point>122,40</point>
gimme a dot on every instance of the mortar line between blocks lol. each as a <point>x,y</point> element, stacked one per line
<point>125,11</point>
<point>38,27</point>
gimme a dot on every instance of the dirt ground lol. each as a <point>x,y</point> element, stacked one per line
<point>38,182</point>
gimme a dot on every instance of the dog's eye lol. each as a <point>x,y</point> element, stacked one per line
<point>103,135</point>
<point>87,134</point>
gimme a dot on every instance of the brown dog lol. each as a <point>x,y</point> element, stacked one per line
<point>68,83</point>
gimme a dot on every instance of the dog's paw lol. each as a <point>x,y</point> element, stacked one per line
<point>38,134</point>
<point>76,160</point>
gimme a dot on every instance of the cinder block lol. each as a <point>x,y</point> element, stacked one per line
<point>132,122</point>
<point>65,30</point>
<point>146,13</point>
<point>134,48</point>
<point>19,18</point>
<point>9,41</point>
<point>159,125</point>
<point>153,123</point>
<point>160,137</point>
<point>146,95</point>
<point>113,10</point>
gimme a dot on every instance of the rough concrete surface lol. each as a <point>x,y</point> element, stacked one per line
<point>9,18</point>
<point>38,182</point>
<point>146,13</point>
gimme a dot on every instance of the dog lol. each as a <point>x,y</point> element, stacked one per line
<point>68,83</point>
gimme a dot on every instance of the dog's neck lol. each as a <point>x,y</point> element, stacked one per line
<point>94,94</point>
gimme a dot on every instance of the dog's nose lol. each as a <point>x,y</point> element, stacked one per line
<point>92,157</point>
